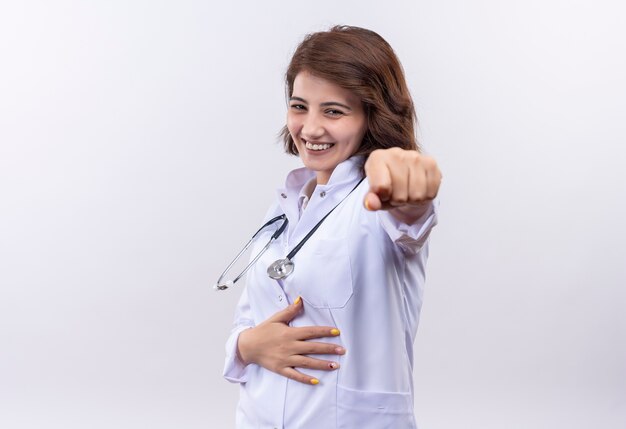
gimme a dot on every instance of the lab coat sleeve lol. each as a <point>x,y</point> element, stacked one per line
<point>234,369</point>
<point>410,238</point>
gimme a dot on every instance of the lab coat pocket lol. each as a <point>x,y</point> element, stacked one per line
<point>326,278</point>
<point>374,410</point>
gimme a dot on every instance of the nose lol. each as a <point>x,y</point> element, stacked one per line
<point>312,127</point>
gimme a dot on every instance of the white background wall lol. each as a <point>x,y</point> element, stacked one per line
<point>137,153</point>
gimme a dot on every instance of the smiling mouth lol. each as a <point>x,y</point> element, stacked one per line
<point>318,146</point>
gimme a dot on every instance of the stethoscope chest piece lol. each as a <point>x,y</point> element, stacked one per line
<point>280,269</point>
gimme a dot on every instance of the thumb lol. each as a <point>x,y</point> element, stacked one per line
<point>372,202</point>
<point>288,314</point>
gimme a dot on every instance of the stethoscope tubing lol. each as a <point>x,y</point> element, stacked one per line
<point>225,285</point>
<point>282,267</point>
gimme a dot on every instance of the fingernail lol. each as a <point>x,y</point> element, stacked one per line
<point>335,332</point>
<point>340,350</point>
<point>297,301</point>
<point>367,204</point>
<point>315,381</point>
<point>333,365</point>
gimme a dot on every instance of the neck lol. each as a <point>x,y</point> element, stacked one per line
<point>322,177</point>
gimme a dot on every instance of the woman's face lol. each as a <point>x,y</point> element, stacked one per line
<point>326,122</point>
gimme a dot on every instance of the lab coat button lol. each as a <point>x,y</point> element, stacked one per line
<point>283,195</point>
<point>323,194</point>
<point>280,298</point>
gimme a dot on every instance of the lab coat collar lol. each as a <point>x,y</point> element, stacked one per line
<point>346,172</point>
<point>323,199</point>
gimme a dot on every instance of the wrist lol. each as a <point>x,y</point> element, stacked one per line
<point>243,341</point>
<point>410,214</point>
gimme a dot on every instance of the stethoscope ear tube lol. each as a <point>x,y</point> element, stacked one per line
<point>282,227</point>
<point>223,285</point>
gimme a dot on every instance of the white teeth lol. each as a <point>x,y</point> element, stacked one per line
<point>312,146</point>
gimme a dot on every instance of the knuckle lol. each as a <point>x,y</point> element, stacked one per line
<point>432,193</point>
<point>380,186</point>
<point>323,365</point>
<point>430,162</point>
<point>309,333</point>
<point>400,199</point>
<point>321,332</point>
<point>418,195</point>
<point>373,157</point>
<point>312,349</point>
<point>417,166</point>
<point>304,333</point>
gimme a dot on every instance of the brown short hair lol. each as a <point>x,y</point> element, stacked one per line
<point>360,61</point>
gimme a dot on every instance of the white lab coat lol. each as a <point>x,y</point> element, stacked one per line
<point>362,272</point>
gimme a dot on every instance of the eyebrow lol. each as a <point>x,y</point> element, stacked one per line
<point>325,104</point>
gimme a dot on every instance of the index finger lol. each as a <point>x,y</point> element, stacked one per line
<point>311,332</point>
<point>379,178</point>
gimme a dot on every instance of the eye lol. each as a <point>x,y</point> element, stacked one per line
<point>298,107</point>
<point>334,112</point>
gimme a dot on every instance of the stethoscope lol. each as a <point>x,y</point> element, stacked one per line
<point>222,285</point>
<point>280,268</point>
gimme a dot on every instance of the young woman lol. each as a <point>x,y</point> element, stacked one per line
<point>330,344</point>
